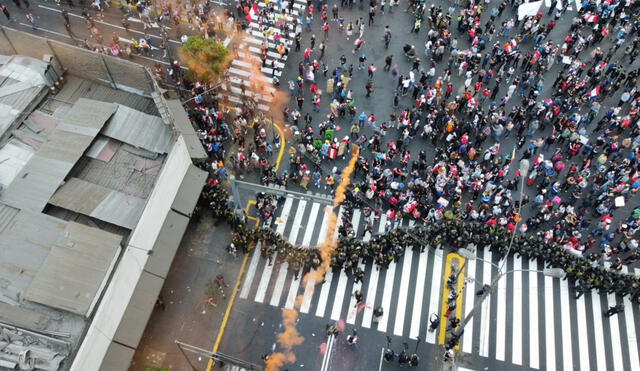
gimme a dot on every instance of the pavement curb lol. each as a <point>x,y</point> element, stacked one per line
<point>227,313</point>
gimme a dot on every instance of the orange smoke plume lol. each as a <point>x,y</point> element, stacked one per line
<point>290,336</point>
<point>261,88</point>
<point>330,243</point>
<point>287,339</point>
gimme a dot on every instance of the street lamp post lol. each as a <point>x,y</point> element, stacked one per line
<point>457,333</point>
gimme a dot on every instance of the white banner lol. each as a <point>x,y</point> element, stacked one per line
<point>528,9</point>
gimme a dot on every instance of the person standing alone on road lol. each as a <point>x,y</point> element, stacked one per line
<point>6,12</point>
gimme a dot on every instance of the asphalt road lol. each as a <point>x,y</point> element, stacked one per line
<point>50,24</point>
<point>532,322</point>
<point>513,322</point>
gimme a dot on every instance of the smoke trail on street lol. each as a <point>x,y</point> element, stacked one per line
<point>290,337</point>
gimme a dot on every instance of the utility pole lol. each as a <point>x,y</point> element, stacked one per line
<point>457,333</point>
<point>218,357</point>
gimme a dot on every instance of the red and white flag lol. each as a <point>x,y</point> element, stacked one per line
<point>252,12</point>
<point>594,92</point>
<point>591,18</point>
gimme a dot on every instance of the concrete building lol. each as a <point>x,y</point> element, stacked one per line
<point>97,186</point>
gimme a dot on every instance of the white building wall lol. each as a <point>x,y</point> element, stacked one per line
<point>112,315</point>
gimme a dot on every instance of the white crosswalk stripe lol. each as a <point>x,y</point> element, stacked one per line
<point>534,346</point>
<point>517,312</point>
<point>485,313</point>
<point>469,295</point>
<point>567,356</point>
<point>501,331</point>
<point>241,71</point>
<point>536,321</point>
<point>549,324</point>
<point>434,300</point>
<point>414,331</point>
<point>599,332</point>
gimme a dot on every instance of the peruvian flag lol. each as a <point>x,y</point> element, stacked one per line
<point>536,56</point>
<point>591,18</point>
<point>595,92</point>
<point>253,12</point>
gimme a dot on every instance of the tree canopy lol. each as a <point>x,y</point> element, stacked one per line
<point>205,57</point>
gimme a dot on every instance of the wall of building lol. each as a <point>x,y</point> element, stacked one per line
<point>115,72</point>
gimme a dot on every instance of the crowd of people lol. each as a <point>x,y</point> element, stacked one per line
<point>382,249</point>
<point>570,108</point>
<point>582,140</point>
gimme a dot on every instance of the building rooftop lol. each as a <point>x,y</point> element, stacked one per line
<point>79,170</point>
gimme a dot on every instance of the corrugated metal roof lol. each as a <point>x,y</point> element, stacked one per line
<point>7,216</point>
<point>13,157</point>
<point>45,171</point>
<point>73,271</point>
<point>139,129</point>
<point>99,202</point>
<point>183,125</point>
<point>24,245</point>
<point>189,190</point>
<point>21,81</point>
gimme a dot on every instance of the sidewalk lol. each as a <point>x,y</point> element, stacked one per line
<point>200,257</point>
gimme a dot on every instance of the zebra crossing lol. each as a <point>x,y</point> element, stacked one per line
<point>241,71</point>
<point>530,320</point>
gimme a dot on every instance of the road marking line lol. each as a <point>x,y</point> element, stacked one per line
<point>324,294</point>
<point>414,330</point>
<point>501,321</point>
<point>327,355</point>
<point>227,313</point>
<point>516,353</point>
<point>445,295</point>
<point>436,283</point>
<point>583,336</point>
<point>485,312</point>
<point>246,210</point>
<point>567,353</point>
<point>309,289</point>
<point>352,311</point>
<point>246,287</point>
<point>279,285</point>
<point>386,296</point>
<point>293,291</point>
<point>286,209</point>
<point>268,269</point>
<point>534,336</point>
<point>45,30</point>
<point>616,345</point>
<point>107,24</point>
<point>326,286</point>
<point>470,294</point>
<point>293,235</point>
<point>339,296</point>
<point>311,224</point>
<point>549,326</point>
<point>372,287</point>
<point>264,280</point>
<point>401,310</point>
<point>601,359</point>
<point>629,321</point>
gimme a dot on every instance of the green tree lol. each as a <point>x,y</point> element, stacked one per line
<point>158,368</point>
<point>207,59</point>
